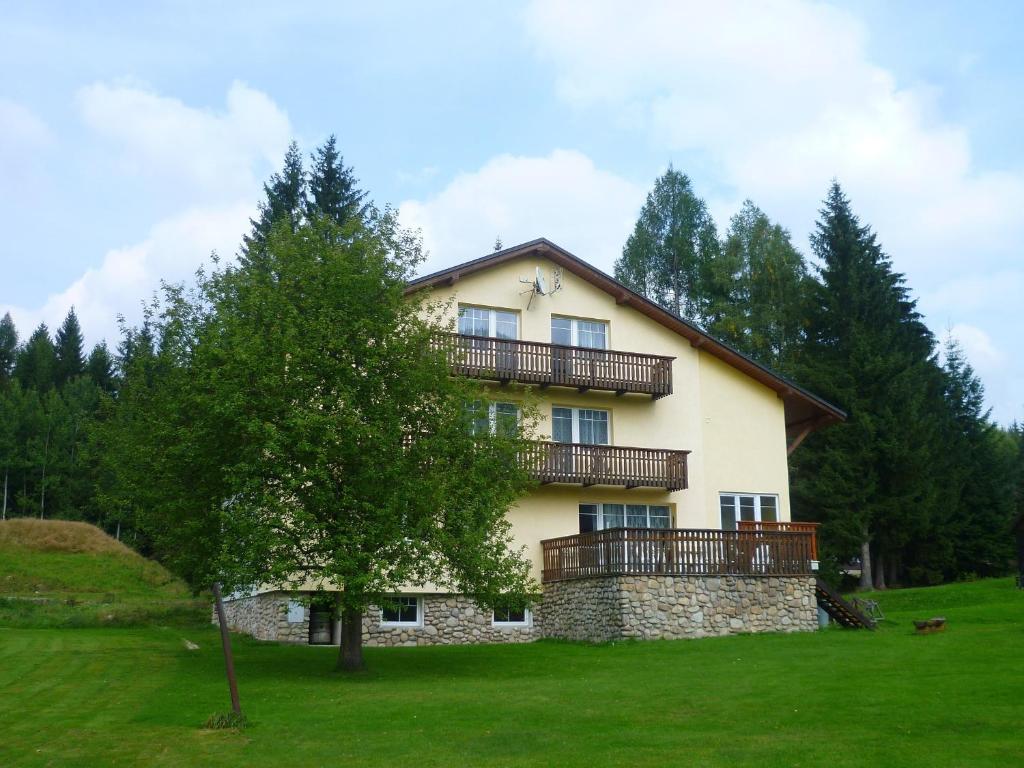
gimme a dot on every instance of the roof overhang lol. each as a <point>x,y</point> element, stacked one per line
<point>805,411</point>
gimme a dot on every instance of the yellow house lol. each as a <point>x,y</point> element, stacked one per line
<point>663,508</point>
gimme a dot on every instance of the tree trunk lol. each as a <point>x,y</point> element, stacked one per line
<point>350,656</point>
<point>225,641</point>
<point>879,568</point>
<point>865,563</point>
<point>5,495</point>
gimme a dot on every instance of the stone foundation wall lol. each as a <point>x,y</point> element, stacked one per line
<point>590,610</point>
<point>669,607</point>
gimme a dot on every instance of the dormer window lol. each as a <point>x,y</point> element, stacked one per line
<point>575,332</point>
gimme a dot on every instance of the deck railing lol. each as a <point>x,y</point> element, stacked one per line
<point>812,528</point>
<point>585,464</point>
<point>536,362</point>
<point>678,552</point>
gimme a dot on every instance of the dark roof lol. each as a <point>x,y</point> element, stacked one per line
<point>803,408</point>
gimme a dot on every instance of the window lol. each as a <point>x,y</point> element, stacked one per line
<point>748,507</point>
<point>492,418</point>
<point>573,332</point>
<point>401,611</point>
<point>496,323</point>
<point>579,425</point>
<point>595,517</point>
<point>511,614</point>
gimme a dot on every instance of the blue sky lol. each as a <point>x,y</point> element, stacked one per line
<point>134,137</point>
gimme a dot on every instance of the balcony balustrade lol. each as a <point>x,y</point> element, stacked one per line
<point>587,465</point>
<point>535,362</point>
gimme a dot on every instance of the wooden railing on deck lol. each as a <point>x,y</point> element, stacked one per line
<point>811,528</point>
<point>607,465</point>
<point>678,552</point>
<point>536,362</point>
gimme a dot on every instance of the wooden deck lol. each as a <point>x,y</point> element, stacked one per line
<point>535,362</point>
<point>678,552</point>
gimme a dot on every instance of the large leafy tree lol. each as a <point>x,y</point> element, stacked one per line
<point>867,350</point>
<point>672,256</point>
<point>69,349</point>
<point>295,427</point>
<point>767,317</point>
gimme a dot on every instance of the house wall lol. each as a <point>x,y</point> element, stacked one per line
<point>733,425</point>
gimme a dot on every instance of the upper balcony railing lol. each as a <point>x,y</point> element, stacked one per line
<point>678,552</point>
<point>587,464</point>
<point>536,362</point>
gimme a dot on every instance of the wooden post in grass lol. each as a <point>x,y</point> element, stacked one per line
<point>229,662</point>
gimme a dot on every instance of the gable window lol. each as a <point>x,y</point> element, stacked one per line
<point>511,614</point>
<point>574,332</point>
<point>748,507</point>
<point>596,517</point>
<point>579,425</point>
<point>482,321</point>
<point>402,612</point>
<point>492,418</point>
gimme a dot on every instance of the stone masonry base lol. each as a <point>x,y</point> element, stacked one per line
<point>598,609</point>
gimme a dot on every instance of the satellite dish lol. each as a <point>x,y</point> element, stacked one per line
<point>540,285</point>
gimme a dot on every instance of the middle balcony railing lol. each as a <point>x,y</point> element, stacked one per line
<point>536,362</point>
<point>585,464</point>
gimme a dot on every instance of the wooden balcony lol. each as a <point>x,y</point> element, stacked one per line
<point>811,528</point>
<point>587,465</point>
<point>535,362</point>
<point>678,552</point>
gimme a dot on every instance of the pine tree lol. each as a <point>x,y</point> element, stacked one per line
<point>69,349</point>
<point>36,364</point>
<point>332,187</point>
<point>672,255</point>
<point>100,368</point>
<point>8,347</point>
<point>285,201</point>
<point>870,480</point>
<point>767,318</point>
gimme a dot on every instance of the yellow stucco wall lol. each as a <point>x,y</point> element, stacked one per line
<point>733,425</point>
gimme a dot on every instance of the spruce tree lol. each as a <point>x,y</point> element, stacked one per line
<point>100,368</point>
<point>767,318</point>
<point>69,349</point>
<point>870,480</point>
<point>672,256</point>
<point>332,187</point>
<point>8,347</point>
<point>285,200</point>
<point>36,363</point>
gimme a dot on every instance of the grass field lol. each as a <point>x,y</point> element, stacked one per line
<point>137,696</point>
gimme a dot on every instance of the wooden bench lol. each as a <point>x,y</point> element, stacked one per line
<point>927,626</point>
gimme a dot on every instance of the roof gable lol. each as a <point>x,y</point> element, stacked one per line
<point>804,410</point>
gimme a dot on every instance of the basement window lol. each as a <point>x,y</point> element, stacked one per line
<point>402,612</point>
<point>511,615</point>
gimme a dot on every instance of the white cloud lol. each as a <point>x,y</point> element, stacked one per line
<point>562,197</point>
<point>784,96</point>
<point>213,154</point>
<point>981,351</point>
<point>219,157</point>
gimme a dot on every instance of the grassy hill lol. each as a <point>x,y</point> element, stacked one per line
<point>61,573</point>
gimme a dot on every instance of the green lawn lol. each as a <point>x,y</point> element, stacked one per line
<point>102,696</point>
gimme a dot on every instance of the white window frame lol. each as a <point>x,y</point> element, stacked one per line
<point>625,513</point>
<point>526,622</point>
<point>574,330</point>
<point>419,613</point>
<point>576,422</point>
<point>492,415</point>
<point>735,496</point>
<point>492,318</point>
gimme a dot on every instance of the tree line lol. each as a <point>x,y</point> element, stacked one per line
<point>919,483</point>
